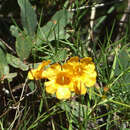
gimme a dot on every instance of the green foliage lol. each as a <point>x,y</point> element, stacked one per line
<point>2,46</point>
<point>31,107</point>
<point>55,28</point>
<point>28,16</point>
<point>123,61</point>
<point>75,108</point>
<point>23,43</point>
<point>123,65</point>
<point>16,62</point>
<point>24,38</point>
<point>23,46</point>
<point>31,85</point>
<point>14,31</point>
<point>10,76</point>
<point>4,68</point>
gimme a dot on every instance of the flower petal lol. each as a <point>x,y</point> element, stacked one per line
<point>63,93</point>
<point>86,60</point>
<point>73,59</point>
<point>50,88</point>
<point>37,73</point>
<point>51,72</point>
<point>32,74</point>
<point>43,64</point>
<point>80,88</point>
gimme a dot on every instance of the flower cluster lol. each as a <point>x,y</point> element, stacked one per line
<point>73,76</point>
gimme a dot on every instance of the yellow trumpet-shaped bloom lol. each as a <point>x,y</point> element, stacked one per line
<point>59,80</point>
<point>83,70</point>
<point>74,76</point>
<point>37,73</point>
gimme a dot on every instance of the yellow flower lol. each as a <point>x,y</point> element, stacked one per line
<point>83,71</point>
<point>60,81</point>
<point>37,73</point>
<point>73,76</point>
<point>51,71</point>
<point>32,74</point>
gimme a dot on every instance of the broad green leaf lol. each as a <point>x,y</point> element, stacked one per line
<point>23,46</point>
<point>14,31</point>
<point>23,43</point>
<point>28,15</point>
<point>123,61</point>
<point>55,28</point>
<point>4,68</point>
<point>16,62</point>
<point>123,65</point>
<point>10,76</point>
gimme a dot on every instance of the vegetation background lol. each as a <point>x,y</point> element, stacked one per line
<point>36,30</point>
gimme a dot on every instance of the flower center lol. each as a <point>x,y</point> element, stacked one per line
<point>78,70</point>
<point>63,78</point>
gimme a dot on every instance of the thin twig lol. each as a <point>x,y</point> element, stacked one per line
<point>11,92</point>
<point>96,5</point>
<point>17,114</point>
<point>10,48</point>
<point>3,114</point>
<point>22,91</point>
<point>93,14</point>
